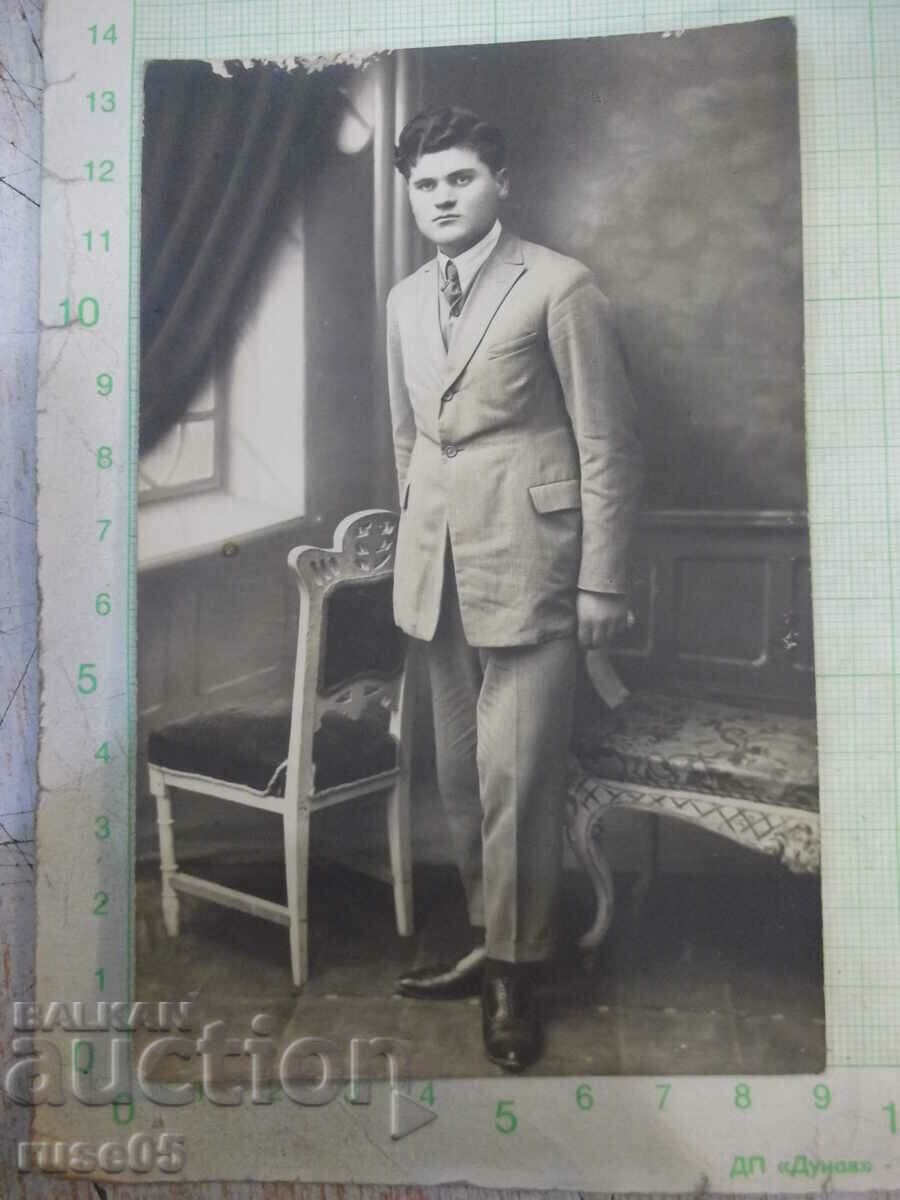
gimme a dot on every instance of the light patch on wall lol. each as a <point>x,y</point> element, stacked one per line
<point>358,124</point>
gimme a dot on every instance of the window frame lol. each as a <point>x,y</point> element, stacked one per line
<point>155,493</point>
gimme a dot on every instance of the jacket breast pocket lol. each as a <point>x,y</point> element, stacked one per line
<point>556,496</point>
<point>513,345</point>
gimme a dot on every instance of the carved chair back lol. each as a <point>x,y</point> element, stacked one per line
<point>351,657</point>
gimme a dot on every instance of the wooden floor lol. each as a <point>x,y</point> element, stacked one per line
<point>716,975</point>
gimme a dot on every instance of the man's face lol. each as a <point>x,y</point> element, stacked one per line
<point>455,197</point>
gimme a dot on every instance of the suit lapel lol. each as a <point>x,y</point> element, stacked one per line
<point>427,316</point>
<point>490,289</point>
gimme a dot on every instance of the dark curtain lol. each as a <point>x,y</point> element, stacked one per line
<point>224,159</point>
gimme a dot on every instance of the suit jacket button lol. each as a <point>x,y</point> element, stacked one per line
<point>448,396</point>
<point>450,451</point>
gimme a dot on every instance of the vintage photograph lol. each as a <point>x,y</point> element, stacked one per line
<point>475,646</point>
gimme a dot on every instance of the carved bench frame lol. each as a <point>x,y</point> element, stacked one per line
<point>789,834</point>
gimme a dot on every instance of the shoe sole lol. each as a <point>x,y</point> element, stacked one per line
<point>462,994</point>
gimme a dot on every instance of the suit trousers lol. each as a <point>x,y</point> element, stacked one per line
<point>503,724</point>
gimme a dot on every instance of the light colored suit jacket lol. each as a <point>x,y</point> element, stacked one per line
<point>519,443</point>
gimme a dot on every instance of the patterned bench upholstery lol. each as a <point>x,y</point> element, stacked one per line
<point>744,774</point>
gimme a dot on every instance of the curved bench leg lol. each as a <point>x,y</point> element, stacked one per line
<point>585,830</point>
<point>649,837</point>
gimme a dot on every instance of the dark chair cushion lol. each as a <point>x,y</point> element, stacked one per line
<point>688,744</point>
<point>246,745</point>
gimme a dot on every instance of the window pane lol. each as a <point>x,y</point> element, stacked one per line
<point>185,455</point>
<point>204,401</point>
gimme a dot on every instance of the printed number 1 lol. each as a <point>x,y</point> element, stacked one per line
<point>891,1110</point>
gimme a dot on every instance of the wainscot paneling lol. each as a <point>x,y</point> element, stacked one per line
<point>214,627</point>
<point>722,604</point>
<point>218,625</point>
<point>721,601</point>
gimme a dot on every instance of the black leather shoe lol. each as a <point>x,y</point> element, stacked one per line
<point>445,981</point>
<point>509,1021</point>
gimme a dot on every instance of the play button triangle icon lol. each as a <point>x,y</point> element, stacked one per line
<point>407,1115</point>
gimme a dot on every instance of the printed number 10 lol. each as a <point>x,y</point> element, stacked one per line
<point>88,311</point>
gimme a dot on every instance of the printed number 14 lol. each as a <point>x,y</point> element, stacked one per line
<point>108,34</point>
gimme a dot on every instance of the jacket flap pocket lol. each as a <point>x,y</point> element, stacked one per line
<point>512,345</point>
<point>404,497</point>
<point>550,497</point>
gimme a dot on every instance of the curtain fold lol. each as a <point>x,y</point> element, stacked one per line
<point>224,161</point>
<point>397,247</point>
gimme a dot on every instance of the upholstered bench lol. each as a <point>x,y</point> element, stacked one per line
<point>747,775</point>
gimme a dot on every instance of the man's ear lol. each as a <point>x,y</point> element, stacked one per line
<point>502,177</point>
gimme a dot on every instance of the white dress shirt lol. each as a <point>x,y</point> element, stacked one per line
<point>468,264</point>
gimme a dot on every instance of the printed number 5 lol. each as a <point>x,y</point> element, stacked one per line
<point>87,680</point>
<point>505,1118</point>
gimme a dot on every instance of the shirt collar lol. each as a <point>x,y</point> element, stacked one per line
<point>470,262</point>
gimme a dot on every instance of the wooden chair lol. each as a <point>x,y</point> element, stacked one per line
<point>343,734</point>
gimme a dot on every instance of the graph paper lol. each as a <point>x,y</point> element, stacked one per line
<point>849,60</point>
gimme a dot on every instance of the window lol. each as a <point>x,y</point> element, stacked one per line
<point>191,456</point>
<point>236,462</point>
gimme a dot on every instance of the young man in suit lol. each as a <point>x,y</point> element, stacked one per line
<point>519,477</point>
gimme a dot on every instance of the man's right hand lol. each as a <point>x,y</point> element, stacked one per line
<point>601,617</point>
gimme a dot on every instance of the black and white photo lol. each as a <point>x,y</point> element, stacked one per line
<point>476,677</point>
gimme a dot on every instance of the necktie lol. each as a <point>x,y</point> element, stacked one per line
<point>452,288</point>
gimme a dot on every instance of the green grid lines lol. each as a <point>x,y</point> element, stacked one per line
<point>849,72</point>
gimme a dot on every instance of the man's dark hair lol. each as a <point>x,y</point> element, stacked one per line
<point>442,128</point>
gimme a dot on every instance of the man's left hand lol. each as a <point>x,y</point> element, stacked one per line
<point>601,617</point>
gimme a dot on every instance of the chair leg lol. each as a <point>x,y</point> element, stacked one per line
<point>296,857</point>
<point>168,865</point>
<point>399,841</point>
